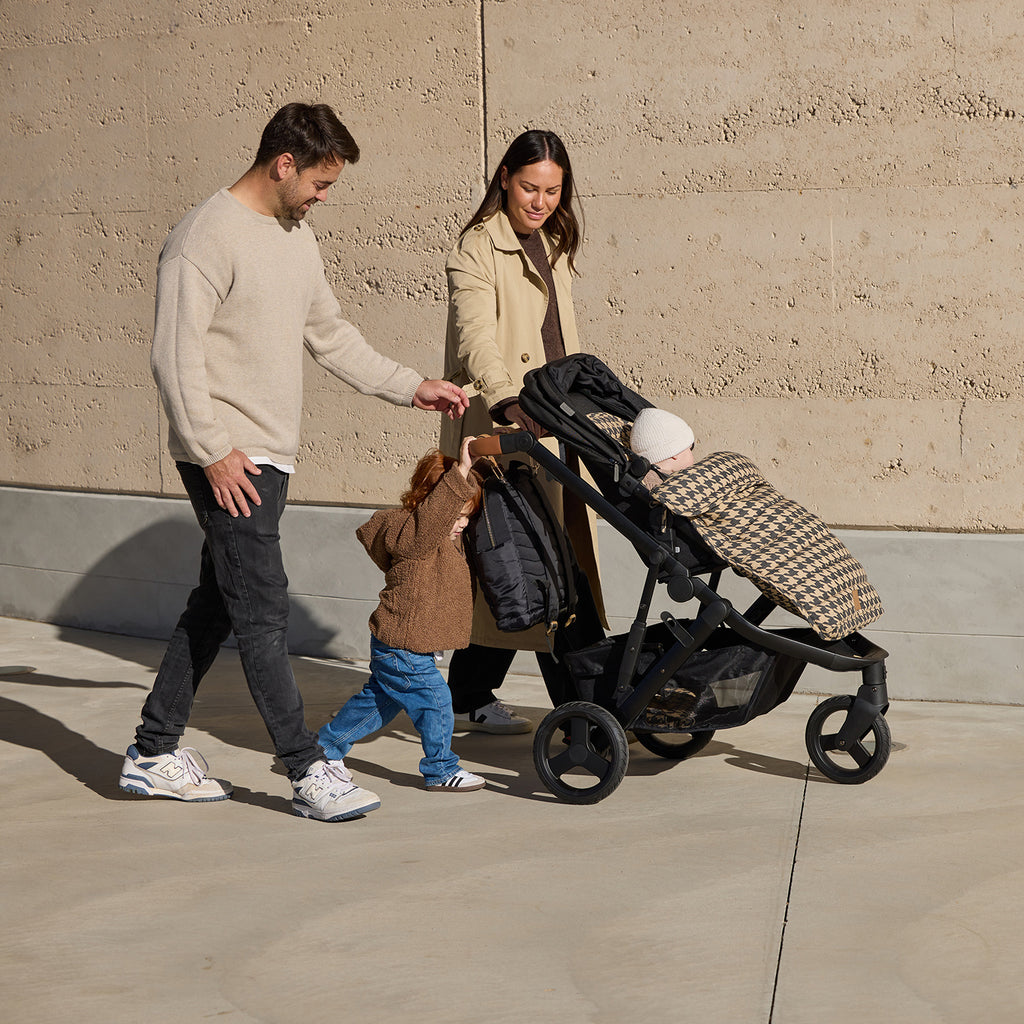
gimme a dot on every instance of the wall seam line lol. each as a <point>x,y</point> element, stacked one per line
<point>483,95</point>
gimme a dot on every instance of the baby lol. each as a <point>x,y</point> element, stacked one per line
<point>664,440</point>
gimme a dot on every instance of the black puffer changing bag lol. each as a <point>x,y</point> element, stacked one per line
<point>523,561</point>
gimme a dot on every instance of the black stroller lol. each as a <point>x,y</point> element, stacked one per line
<point>675,682</point>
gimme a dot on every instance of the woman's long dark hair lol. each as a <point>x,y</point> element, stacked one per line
<point>532,147</point>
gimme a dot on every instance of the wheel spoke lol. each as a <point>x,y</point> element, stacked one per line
<point>561,763</point>
<point>860,754</point>
<point>595,764</point>
<point>579,730</point>
<point>829,742</point>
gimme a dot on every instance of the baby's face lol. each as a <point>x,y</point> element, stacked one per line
<point>684,460</point>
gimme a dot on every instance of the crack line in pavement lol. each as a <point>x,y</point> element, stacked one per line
<point>789,894</point>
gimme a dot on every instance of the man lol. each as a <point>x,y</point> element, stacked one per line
<point>240,290</point>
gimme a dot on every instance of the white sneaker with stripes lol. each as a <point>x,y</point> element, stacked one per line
<point>495,718</point>
<point>461,782</point>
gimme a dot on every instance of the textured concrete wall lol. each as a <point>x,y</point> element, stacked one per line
<point>123,118</point>
<point>804,224</point>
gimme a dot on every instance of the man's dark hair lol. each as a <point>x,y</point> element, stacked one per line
<point>312,134</point>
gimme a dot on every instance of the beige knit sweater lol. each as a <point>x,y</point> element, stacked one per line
<point>238,295</point>
<point>427,601</point>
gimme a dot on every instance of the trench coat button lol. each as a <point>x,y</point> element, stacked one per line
<point>525,357</point>
<point>478,227</point>
<point>479,384</point>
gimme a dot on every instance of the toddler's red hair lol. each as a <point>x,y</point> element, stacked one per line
<point>425,476</point>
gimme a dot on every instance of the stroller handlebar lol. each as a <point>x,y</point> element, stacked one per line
<point>502,444</point>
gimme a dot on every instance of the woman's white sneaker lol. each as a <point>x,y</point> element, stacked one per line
<point>181,775</point>
<point>327,793</point>
<point>495,718</point>
<point>461,782</point>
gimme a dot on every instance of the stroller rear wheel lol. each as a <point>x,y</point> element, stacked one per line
<point>675,746</point>
<point>580,752</point>
<point>856,762</point>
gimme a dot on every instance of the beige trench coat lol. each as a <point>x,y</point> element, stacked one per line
<point>496,305</point>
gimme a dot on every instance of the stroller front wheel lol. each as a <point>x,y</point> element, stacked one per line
<point>853,763</point>
<point>580,752</point>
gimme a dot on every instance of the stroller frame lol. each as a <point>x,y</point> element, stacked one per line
<point>580,749</point>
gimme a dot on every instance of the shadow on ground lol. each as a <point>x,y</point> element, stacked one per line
<point>224,709</point>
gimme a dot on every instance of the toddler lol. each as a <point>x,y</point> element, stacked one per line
<point>426,606</point>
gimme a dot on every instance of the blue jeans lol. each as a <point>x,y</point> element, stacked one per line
<point>242,589</point>
<point>399,680</point>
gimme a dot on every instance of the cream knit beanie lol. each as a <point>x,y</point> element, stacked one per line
<point>659,435</point>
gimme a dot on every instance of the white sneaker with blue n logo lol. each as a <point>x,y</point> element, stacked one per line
<point>180,775</point>
<point>327,793</point>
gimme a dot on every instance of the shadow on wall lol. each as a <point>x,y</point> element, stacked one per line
<point>139,589</point>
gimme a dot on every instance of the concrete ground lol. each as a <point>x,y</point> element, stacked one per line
<point>739,887</point>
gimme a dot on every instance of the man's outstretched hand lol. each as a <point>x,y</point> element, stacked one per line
<point>441,396</point>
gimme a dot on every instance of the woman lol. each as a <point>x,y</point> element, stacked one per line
<point>510,310</point>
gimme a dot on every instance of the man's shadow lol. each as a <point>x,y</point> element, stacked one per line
<point>224,710</point>
<point>140,586</point>
<point>95,767</point>
<point>126,606</point>
<point>23,725</point>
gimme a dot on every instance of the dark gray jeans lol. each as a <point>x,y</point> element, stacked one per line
<point>242,589</point>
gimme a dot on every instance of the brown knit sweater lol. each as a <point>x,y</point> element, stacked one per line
<point>427,601</point>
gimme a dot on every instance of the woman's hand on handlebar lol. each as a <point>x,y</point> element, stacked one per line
<point>516,415</point>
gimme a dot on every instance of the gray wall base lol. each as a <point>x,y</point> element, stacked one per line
<point>953,622</point>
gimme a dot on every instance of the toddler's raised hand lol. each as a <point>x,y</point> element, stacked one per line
<point>465,459</point>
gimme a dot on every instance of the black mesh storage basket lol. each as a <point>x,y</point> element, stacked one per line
<point>726,683</point>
